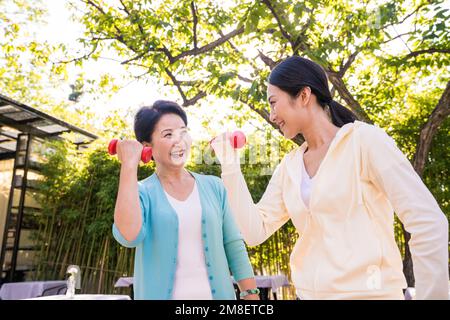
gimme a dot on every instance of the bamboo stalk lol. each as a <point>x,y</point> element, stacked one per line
<point>102,265</point>
<point>85,212</point>
<point>49,239</point>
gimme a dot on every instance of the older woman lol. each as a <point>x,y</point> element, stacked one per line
<point>179,221</point>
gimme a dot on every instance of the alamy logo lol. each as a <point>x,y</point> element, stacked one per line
<point>374,280</point>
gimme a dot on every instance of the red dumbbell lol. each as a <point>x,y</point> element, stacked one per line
<point>237,139</point>
<point>146,154</point>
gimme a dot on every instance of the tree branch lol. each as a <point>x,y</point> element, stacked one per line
<point>195,21</point>
<point>141,29</point>
<point>140,55</point>
<point>92,3</point>
<point>251,62</point>
<point>192,101</point>
<point>186,102</point>
<point>429,129</point>
<point>351,102</point>
<point>424,51</point>
<point>280,25</point>
<point>300,41</point>
<point>245,79</point>
<point>125,8</point>
<point>268,61</point>
<point>349,62</point>
<point>406,17</point>
<point>209,46</point>
<point>86,56</point>
<point>396,37</point>
<point>119,35</point>
<point>335,78</point>
<point>196,51</point>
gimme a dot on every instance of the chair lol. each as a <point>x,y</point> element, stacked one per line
<point>55,290</point>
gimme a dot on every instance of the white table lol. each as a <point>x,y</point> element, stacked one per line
<point>30,289</point>
<point>263,282</point>
<point>124,282</point>
<point>85,297</point>
<point>274,282</point>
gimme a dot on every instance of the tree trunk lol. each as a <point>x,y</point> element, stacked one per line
<point>407,261</point>
<point>439,114</point>
<point>352,103</point>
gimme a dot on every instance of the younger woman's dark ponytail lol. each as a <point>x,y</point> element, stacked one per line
<point>340,115</point>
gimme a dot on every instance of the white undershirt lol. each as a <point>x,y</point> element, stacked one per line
<point>306,184</point>
<point>191,276</point>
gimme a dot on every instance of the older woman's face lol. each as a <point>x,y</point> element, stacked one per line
<point>171,142</point>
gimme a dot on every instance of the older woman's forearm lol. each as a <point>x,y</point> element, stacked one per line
<point>127,213</point>
<point>248,284</point>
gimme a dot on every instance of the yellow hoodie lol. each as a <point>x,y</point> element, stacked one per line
<point>346,248</point>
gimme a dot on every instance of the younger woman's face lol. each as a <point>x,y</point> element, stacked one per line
<point>290,114</point>
<point>171,142</point>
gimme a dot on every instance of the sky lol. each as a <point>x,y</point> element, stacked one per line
<point>60,28</point>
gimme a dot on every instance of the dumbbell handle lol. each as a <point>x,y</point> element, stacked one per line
<point>146,154</point>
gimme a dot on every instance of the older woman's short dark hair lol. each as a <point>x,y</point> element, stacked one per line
<point>146,118</point>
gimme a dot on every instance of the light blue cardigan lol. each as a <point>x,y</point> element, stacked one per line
<point>156,244</point>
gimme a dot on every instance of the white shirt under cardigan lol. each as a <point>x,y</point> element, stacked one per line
<point>191,276</point>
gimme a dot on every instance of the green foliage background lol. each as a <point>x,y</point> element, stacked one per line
<point>217,55</point>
